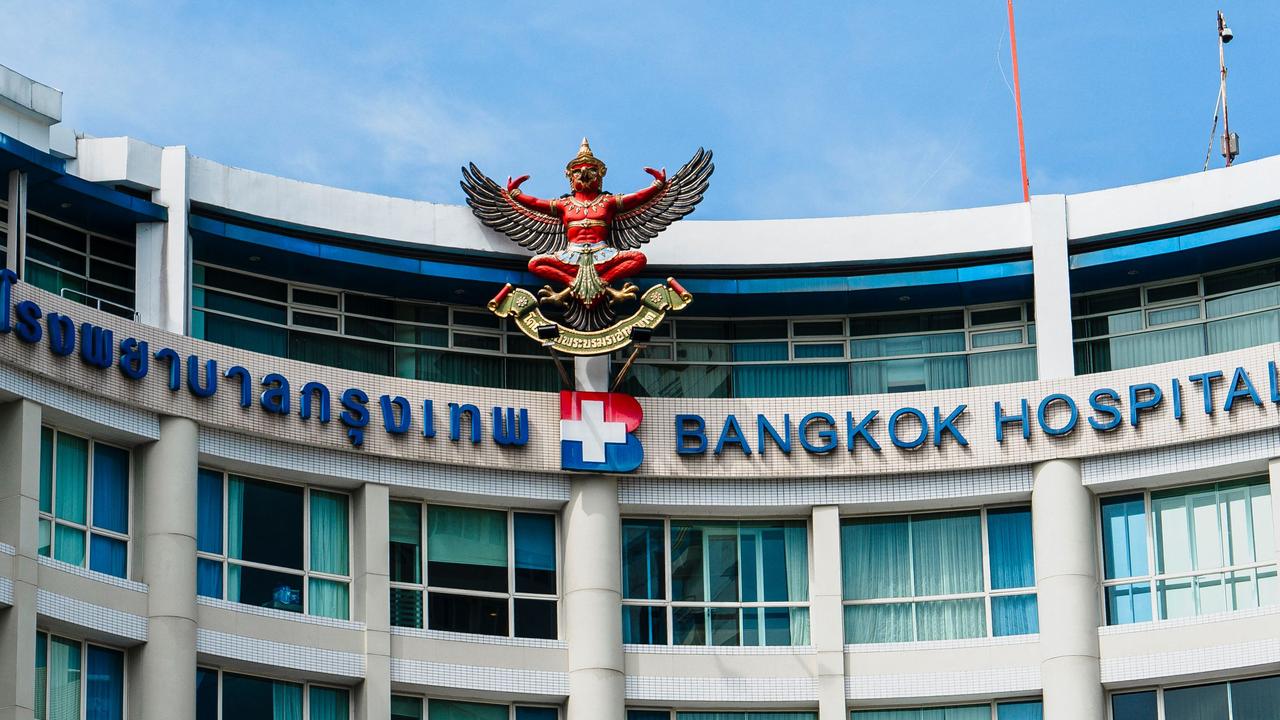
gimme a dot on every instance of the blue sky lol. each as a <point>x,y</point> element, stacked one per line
<point>812,109</point>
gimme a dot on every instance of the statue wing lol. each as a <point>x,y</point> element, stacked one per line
<point>683,191</point>
<point>538,231</point>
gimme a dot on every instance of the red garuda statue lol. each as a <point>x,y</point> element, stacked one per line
<point>587,239</point>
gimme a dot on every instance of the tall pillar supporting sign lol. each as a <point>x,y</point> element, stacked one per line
<point>593,581</point>
<point>16,221</point>
<point>19,513</point>
<point>1067,592</point>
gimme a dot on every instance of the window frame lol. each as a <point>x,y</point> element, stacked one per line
<point>306,689</point>
<point>511,707</point>
<point>84,644</point>
<point>669,605</point>
<point>994,705</point>
<point>306,573</point>
<point>987,592</point>
<point>510,596</point>
<point>1159,690</point>
<point>1152,578</point>
<point>84,296</point>
<point>88,528</point>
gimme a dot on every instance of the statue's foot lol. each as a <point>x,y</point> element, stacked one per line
<point>628,292</point>
<point>547,296</point>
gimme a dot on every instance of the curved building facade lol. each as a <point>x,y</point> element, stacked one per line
<point>265,454</point>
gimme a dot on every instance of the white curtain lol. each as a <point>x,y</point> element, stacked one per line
<point>797,545</point>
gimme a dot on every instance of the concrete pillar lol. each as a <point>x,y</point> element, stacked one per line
<point>19,518</point>
<point>826,613</point>
<point>164,250</point>
<point>16,235</point>
<point>166,473</point>
<point>1062,520</point>
<point>371,593</point>
<point>1055,356</point>
<point>593,582</point>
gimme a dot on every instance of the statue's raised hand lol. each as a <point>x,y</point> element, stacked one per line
<point>515,184</point>
<point>659,176</point>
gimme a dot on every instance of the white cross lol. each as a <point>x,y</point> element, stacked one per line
<point>593,432</point>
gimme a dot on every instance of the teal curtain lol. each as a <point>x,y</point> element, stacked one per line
<point>1245,331</point>
<point>450,710</point>
<point>466,535</point>
<point>328,598</point>
<point>406,708</point>
<point>792,380</point>
<point>1030,710</point>
<point>46,470</point>
<point>951,619</point>
<point>946,372</point>
<point>405,520</point>
<point>235,517</point>
<point>64,679</point>
<point>328,704</point>
<point>1002,366</point>
<point>1203,702</point>
<point>68,544</point>
<point>329,533</point>
<point>879,623</point>
<point>286,701</point>
<point>70,483</point>
<point>1157,346</point>
<point>875,555</point>
<point>947,553</point>
<point>42,675</point>
<point>967,712</point>
<point>1014,615</point>
<point>746,716</point>
<point>1255,699</point>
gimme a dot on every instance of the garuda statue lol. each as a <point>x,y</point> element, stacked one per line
<point>587,239</point>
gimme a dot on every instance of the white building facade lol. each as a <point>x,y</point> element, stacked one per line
<point>264,454</point>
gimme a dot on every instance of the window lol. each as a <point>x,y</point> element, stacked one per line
<point>404,707</point>
<point>1018,710</point>
<point>703,715</point>
<point>1149,324</point>
<point>1252,699</point>
<point>899,352</point>
<point>938,577</point>
<point>489,572</point>
<point>277,546</point>
<point>84,502</point>
<point>77,681</point>
<point>86,267</point>
<point>1212,548</point>
<point>728,583</point>
<point>227,696</point>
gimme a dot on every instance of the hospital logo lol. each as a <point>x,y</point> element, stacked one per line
<point>596,432</point>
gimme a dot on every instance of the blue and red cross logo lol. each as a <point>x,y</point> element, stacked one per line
<point>596,432</point>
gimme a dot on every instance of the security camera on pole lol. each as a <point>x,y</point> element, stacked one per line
<point>1230,141</point>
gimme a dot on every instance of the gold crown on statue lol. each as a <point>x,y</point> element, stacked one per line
<point>585,157</point>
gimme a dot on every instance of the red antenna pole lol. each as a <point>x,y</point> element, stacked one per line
<point>1017,102</point>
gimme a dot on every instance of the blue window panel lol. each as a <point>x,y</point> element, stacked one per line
<point>1124,537</point>
<point>110,488</point>
<point>108,555</point>
<point>1255,699</point>
<point>1134,706</point>
<point>209,511</point>
<point>104,684</point>
<point>209,578</point>
<point>536,713</point>
<point>819,350</point>
<point>206,694</point>
<point>1031,710</point>
<point>648,715</point>
<point>643,625</point>
<point>760,351</point>
<point>643,558</point>
<point>1014,615</point>
<point>535,540</point>
<point>1009,539</point>
<point>1129,604</point>
<point>1195,703</point>
<point>801,380</point>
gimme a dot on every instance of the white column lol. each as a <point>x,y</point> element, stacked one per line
<point>16,236</point>
<point>19,515</point>
<point>1054,355</point>
<point>164,250</point>
<point>826,613</point>
<point>167,483</point>
<point>1062,520</point>
<point>593,582</point>
<point>372,590</point>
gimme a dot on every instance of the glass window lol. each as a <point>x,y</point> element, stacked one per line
<point>69,672</point>
<point>1017,710</point>
<point>1213,551</point>
<point>84,502</point>
<point>920,577</point>
<point>266,526</point>
<point>244,697</point>
<point>91,269</point>
<point>731,583</point>
<point>489,572</point>
<point>404,707</point>
<point>1134,706</point>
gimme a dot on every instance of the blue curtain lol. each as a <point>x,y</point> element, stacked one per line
<point>794,380</point>
<point>643,557</point>
<point>450,710</point>
<point>110,488</point>
<point>108,555</point>
<point>104,684</point>
<point>209,578</point>
<point>1254,699</point>
<point>1021,711</point>
<point>1009,540</point>
<point>535,537</point>
<point>746,716</point>
<point>46,470</point>
<point>42,673</point>
<point>206,694</point>
<point>209,511</point>
<point>536,713</point>
<point>1124,536</point>
<point>760,352</point>
<point>1204,702</point>
<point>328,704</point>
<point>1134,706</point>
<point>876,557</point>
<point>1014,615</point>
